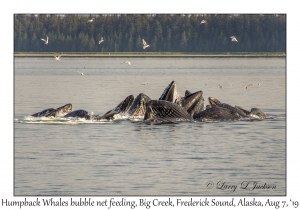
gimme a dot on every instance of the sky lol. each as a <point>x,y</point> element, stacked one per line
<point>146,7</point>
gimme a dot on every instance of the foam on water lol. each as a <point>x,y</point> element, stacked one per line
<point>117,118</point>
<point>59,120</point>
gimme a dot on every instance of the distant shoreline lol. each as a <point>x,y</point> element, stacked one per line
<point>150,54</point>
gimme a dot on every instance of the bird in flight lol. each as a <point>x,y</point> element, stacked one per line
<point>102,40</point>
<point>58,57</point>
<point>145,45</point>
<point>233,39</point>
<point>81,73</point>
<point>91,20</point>
<point>249,86</point>
<point>203,21</point>
<point>128,62</point>
<point>46,41</point>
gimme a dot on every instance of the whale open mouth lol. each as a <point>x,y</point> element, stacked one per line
<point>189,102</point>
<point>213,101</point>
<point>165,111</point>
<point>170,94</point>
<point>63,110</point>
<point>138,106</point>
<point>51,112</point>
<point>122,107</point>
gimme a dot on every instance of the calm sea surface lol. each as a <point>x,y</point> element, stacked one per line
<point>122,157</point>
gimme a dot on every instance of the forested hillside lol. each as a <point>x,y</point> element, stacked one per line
<point>164,33</point>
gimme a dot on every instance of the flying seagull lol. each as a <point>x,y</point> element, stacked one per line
<point>145,45</point>
<point>46,41</point>
<point>58,57</point>
<point>233,39</point>
<point>249,86</point>
<point>91,20</point>
<point>203,21</point>
<point>81,73</point>
<point>102,40</point>
<point>128,62</point>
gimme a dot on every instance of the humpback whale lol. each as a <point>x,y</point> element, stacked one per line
<point>192,107</point>
<point>165,111</point>
<point>45,113</point>
<point>170,107</point>
<point>61,111</point>
<point>122,107</point>
<point>217,113</point>
<point>170,94</point>
<point>51,112</point>
<point>78,113</point>
<point>257,113</point>
<point>254,112</point>
<point>187,93</point>
<point>138,106</point>
<point>193,102</point>
<point>216,102</point>
<point>130,106</point>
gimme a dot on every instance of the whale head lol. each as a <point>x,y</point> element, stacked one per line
<point>63,110</point>
<point>257,113</point>
<point>170,94</point>
<point>138,106</point>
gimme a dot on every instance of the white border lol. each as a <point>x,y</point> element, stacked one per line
<point>153,6</point>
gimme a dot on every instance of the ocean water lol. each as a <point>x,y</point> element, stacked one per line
<point>131,158</point>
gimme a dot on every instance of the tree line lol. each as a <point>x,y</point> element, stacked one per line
<point>163,32</point>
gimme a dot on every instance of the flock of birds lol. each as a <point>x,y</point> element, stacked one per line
<point>47,40</point>
<point>220,86</point>
<point>145,45</point>
<point>233,38</point>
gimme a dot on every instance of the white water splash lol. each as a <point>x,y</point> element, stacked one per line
<point>117,118</point>
<point>58,120</point>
